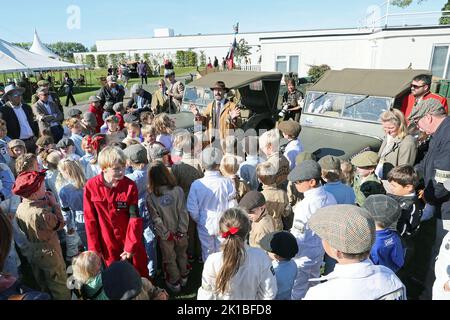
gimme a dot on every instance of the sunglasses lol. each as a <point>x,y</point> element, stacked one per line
<point>414,86</point>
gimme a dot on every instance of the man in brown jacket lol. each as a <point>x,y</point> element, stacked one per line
<point>220,115</point>
<point>175,93</point>
<point>39,217</point>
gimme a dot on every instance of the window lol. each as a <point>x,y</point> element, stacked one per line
<point>440,66</point>
<point>287,63</point>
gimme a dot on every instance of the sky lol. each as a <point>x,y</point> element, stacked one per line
<point>86,21</point>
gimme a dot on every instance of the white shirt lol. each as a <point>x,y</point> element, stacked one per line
<point>308,241</point>
<point>358,281</point>
<point>25,129</point>
<point>209,197</point>
<point>293,148</point>
<point>442,271</point>
<point>255,279</point>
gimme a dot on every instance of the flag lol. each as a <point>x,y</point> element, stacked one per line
<point>230,55</point>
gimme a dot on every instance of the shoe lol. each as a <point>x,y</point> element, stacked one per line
<point>173,287</point>
<point>184,281</point>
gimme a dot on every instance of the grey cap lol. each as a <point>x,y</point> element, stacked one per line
<point>330,163</point>
<point>64,143</point>
<point>90,119</point>
<point>130,118</point>
<point>383,209</point>
<point>93,99</point>
<point>424,107</point>
<point>252,200</point>
<point>121,281</point>
<point>157,151</point>
<point>365,159</point>
<point>347,228</point>
<point>307,170</point>
<point>210,156</point>
<point>41,90</point>
<point>136,153</point>
<point>13,89</point>
<point>118,106</point>
<point>73,112</point>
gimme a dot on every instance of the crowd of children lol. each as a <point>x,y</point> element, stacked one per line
<point>122,190</point>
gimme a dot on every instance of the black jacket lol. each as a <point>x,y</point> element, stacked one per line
<point>12,123</point>
<point>132,103</point>
<point>106,95</point>
<point>437,158</point>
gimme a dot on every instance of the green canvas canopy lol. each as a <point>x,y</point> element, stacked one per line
<point>235,79</point>
<point>371,82</point>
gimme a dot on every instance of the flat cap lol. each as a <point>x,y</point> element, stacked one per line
<point>383,209</point>
<point>424,107</point>
<point>121,281</point>
<point>16,143</point>
<point>156,151</point>
<point>291,128</point>
<point>41,90</point>
<point>64,143</point>
<point>118,106</point>
<point>282,243</point>
<point>252,200</point>
<point>365,159</point>
<point>347,228</point>
<point>130,118</point>
<point>136,153</point>
<point>90,119</point>
<point>307,170</point>
<point>330,163</point>
<point>93,99</point>
<point>43,83</point>
<point>73,112</point>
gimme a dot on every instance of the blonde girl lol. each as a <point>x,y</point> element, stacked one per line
<point>87,274</point>
<point>164,126</point>
<point>238,272</point>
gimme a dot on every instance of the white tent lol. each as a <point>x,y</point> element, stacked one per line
<point>16,59</point>
<point>39,48</point>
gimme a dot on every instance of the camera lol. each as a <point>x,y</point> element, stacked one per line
<point>283,112</point>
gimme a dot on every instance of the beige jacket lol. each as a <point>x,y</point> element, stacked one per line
<point>225,122</point>
<point>177,89</point>
<point>160,102</point>
<point>277,204</point>
<point>403,151</point>
<point>44,118</point>
<point>260,228</point>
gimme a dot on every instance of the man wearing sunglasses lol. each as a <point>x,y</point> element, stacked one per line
<point>420,90</point>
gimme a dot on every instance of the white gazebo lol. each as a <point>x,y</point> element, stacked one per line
<point>39,48</point>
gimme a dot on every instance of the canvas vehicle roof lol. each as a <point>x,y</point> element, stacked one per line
<point>235,79</point>
<point>373,82</point>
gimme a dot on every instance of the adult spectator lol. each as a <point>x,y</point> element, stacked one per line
<point>220,116</point>
<point>420,90</point>
<point>52,97</point>
<point>398,147</point>
<point>111,93</point>
<point>216,63</point>
<point>140,99</point>
<point>96,108</point>
<point>48,115</point>
<point>160,100</point>
<point>68,85</point>
<point>175,93</point>
<point>142,69</point>
<point>293,98</point>
<point>19,117</point>
<point>110,70</point>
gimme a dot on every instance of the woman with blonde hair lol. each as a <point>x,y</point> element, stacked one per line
<point>398,147</point>
<point>238,272</point>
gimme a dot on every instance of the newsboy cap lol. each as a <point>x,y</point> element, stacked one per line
<point>73,112</point>
<point>130,118</point>
<point>291,128</point>
<point>93,99</point>
<point>43,83</point>
<point>347,228</point>
<point>424,107</point>
<point>365,159</point>
<point>156,151</point>
<point>330,163</point>
<point>40,90</point>
<point>282,243</point>
<point>383,209</point>
<point>121,281</point>
<point>64,143</point>
<point>252,200</point>
<point>118,106</point>
<point>90,119</point>
<point>307,170</point>
<point>136,153</point>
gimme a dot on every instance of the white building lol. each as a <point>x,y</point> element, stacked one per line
<point>420,47</point>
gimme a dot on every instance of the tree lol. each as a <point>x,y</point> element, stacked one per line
<point>24,45</point>
<point>102,60</point>
<point>242,50</point>
<point>137,57</point>
<point>190,58</point>
<point>202,58</point>
<point>404,3</point>
<point>94,48</point>
<point>114,59</point>
<point>66,49</point>
<point>122,57</point>
<point>315,72</point>
<point>445,19</point>
<point>180,59</point>
<point>146,56</point>
<point>90,60</point>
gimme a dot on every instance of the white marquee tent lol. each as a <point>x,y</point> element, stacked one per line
<point>39,48</point>
<point>16,59</point>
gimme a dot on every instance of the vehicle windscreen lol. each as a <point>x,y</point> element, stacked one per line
<point>201,97</point>
<point>358,107</point>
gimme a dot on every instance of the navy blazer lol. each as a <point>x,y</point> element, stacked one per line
<point>12,123</point>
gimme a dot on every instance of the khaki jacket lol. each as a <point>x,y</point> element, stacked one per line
<point>160,102</point>
<point>260,228</point>
<point>363,189</point>
<point>44,118</point>
<point>177,89</point>
<point>277,204</point>
<point>404,151</point>
<point>186,173</point>
<point>225,122</point>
